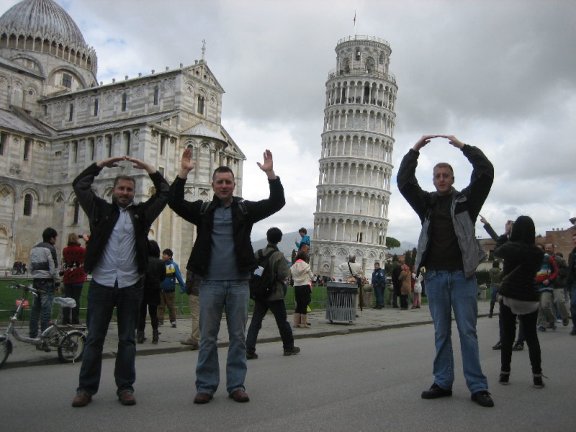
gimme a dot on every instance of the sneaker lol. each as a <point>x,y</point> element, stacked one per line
<point>541,328</point>
<point>497,346</point>
<point>538,383</point>
<point>518,346</point>
<point>173,324</point>
<point>504,378</point>
<point>565,322</point>
<point>483,398</point>
<point>573,332</point>
<point>292,351</point>
<point>436,392</point>
<point>251,356</point>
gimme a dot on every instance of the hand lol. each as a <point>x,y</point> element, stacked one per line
<point>137,163</point>
<point>484,221</point>
<point>268,165</point>
<point>425,139</point>
<point>110,162</point>
<point>454,141</point>
<point>186,163</point>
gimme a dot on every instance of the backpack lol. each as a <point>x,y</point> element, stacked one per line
<point>263,278</point>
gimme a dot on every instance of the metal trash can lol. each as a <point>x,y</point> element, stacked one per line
<point>341,302</point>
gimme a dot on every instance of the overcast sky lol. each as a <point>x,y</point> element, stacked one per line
<point>498,74</point>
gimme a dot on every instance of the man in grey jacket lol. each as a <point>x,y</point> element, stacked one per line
<point>45,278</point>
<point>448,248</point>
<point>275,302</point>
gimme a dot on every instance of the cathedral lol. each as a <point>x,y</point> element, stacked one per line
<point>56,119</point>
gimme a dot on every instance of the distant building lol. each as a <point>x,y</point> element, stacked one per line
<point>561,238</point>
<point>56,119</point>
<point>353,191</point>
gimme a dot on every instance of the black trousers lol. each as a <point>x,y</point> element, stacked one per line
<point>528,321</point>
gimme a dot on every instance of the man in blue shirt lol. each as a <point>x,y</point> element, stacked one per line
<point>168,288</point>
<point>379,284</point>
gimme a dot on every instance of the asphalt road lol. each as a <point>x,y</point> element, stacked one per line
<point>357,382</point>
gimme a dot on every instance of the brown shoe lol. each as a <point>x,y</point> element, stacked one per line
<point>239,396</point>
<point>81,399</point>
<point>126,397</point>
<point>202,398</point>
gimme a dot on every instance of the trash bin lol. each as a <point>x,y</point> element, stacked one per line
<point>341,302</point>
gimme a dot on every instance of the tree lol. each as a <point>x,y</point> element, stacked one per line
<point>392,243</point>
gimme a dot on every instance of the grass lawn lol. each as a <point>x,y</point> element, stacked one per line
<point>9,296</point>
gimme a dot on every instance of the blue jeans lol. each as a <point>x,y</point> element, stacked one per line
<point>42,307</point>
<point>101,303</point>
<point>217,297</point>
<point>278,308</point>
<point>449,291</point>
<point>379,294</point>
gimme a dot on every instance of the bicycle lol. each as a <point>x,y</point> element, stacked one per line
<point>69,340</point>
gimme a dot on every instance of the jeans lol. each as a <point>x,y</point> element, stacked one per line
<point>278,308</point>
<point>379,294</point>
<point>42,307</point>
<point>546,316</point>
<point>528,321</point>
<point>447,291</point>
<point>101,303</point>
<point>70,315</point>
<point>217,297</point>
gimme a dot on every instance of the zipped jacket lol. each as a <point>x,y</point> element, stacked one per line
<point>244,216</point>
<point>464,209</point>
<point>103,216</point>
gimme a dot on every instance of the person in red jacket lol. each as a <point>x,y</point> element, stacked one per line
<point>74,277</point>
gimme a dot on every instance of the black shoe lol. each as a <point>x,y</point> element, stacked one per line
<point>518,346</point>
<point>251,356</point>
<point>436,392</point>
<point>504,378</point>
<point>497,346</point>
<point>573,332</point>
<point>483,398</point>
<point>292,351</point>
<point>538,383</point>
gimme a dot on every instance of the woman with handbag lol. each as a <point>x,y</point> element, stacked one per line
<point>520,297</point>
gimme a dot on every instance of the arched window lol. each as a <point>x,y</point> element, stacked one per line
<point>28,201</point>
<point>76,211</point>
<point>200,109</point>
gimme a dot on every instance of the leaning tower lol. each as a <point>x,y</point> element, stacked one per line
<point>353,191</point>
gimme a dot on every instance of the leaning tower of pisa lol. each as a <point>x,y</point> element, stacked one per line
<point>353,191</point>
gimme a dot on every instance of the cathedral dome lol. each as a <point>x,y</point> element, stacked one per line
<point>42,18</point>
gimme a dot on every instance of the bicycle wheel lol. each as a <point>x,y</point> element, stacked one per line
<point>5,349</point>
<point>71,346</point>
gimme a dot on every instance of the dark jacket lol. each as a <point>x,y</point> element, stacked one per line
<point>465,205</point>
<point>155,274</point>
<point>242,221</point>
<point>104,215</point>
<point>521,262</point>
<point>280,268</point>
<point>571,278</point>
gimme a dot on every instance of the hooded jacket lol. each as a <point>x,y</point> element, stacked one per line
<point>464,208</point>
<point>521,262</point>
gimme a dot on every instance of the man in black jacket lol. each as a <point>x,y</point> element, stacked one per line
<point>223,258</point>
<point>448,248</point>
<point>117,257</point>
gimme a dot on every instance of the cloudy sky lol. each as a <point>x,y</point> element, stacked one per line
<point>499,74</point>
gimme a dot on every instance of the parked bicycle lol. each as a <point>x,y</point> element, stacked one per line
<point>67,339</point>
